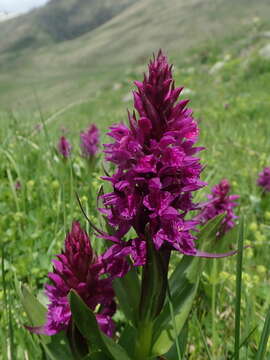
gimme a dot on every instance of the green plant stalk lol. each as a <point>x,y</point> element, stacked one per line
<point>213,306</point>
<point>71,184</point>
<point>264,338</point>
<point>144,341</point>
<point>4,291</point>
<point>239,266</point>
<point>203,338</point>
<point>13,191</point>
<point>153,293</point>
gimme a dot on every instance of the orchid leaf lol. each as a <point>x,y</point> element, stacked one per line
<point>182,338</point>
<point>35,311</point>
<point>183,285</point>
<point>154,284</point>
<point>85,321</point>
<point>58,348</point>
<point>127,291</point>
<point>96,356</point>
<point>127,339</point>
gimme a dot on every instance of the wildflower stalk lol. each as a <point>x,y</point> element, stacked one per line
<point>153,293</point>
<point>71,185</point>
<point>144,340</point>
<point>239,269</point>
<point>213,300</point>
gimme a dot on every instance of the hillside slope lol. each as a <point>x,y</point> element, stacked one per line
<point>57,21</point>
<point>71,71</point>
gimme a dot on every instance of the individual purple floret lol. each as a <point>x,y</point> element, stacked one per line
<point>64,147</point>
<point>90,141</point>
<point>18,185</point>
<point>219,201</point>
<point>78,268</point>
<point>264,179</point>
<point>156,168</point>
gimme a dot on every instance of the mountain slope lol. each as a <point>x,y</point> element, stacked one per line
<point>58,21</point>
<point>71,71</point>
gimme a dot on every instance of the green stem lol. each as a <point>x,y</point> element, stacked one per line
<point>144,341</point>
<point>71,185</point>
<point>214,291</point>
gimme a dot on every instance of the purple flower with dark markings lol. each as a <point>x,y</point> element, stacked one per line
<point>156,169</point>
<point>78,268</point>
<point>219,201</point>
<point>64,147</point>
<point>264,179</point>
<point>90,141</point>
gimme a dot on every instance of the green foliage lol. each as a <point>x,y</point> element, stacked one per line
<point>257,67</point>
<point>127,290</point>
<point>264,338</point>
<point>86,322</point>
<point>239,267</point>
<point>183,285</point>
<point>36,312</point>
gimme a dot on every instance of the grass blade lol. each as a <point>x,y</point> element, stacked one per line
<point>244,342</point>
<point>239,267</point>
<point>179,357</point>
<point>264,338</point>
<point>10,330</point>
<point>203,338</point>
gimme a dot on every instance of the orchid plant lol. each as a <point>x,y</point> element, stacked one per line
<point>150,213</point>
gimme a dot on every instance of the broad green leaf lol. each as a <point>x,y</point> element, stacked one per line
<point>153,285</point>
<point>96,356</point>
<point>127,291</point>
<point>85,321</point>
<point>127,339</point>
<point>35,311</point>
<point>182,339</point>
<point>183,285</point>
<point>58,348</point>
<point>117,352</point>
<point>164,335</point>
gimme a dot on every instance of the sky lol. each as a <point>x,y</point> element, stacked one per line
<point>20,5</point>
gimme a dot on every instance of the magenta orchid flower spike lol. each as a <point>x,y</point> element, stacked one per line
<point>264,179</point>
<point>64,147</point>
<point>219,201</point>
<point>157,170</point>
<point>80,269</point>
<point>90,141</point>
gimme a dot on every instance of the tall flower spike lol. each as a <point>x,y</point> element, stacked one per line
<point>78,268</point>
<point>64,147</point>
<point>219,201</point>
<point>156,168</point>
<point>90,141</point>
<point>264,179</point>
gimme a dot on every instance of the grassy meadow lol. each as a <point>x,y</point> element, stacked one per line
<point>37,188</point>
